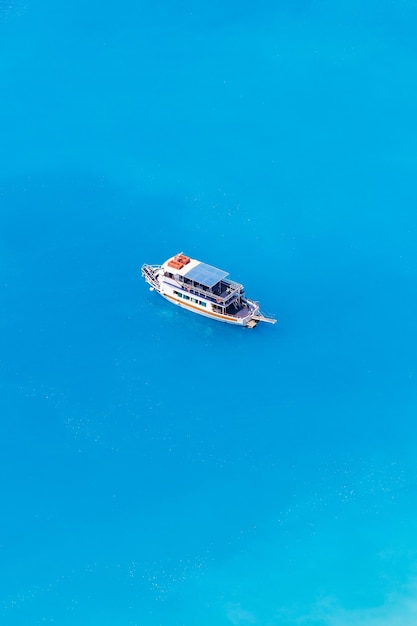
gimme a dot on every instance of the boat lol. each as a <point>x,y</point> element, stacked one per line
<point>203,289</point>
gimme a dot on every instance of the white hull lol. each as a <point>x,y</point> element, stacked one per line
<point>228,319</point>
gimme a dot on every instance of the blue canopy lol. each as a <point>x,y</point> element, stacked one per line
<point>206,275</point>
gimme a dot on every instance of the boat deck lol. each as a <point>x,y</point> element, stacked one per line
<point>243,312</point>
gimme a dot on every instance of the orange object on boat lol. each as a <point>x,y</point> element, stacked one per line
<point>177,265</point>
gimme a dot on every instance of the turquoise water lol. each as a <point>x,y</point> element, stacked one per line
<point>158,468</point>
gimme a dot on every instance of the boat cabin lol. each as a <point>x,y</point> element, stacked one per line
<point>204,280</point>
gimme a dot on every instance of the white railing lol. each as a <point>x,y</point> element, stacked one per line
<point>148,272</point>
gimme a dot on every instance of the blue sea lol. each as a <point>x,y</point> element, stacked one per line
<point>158,468</point>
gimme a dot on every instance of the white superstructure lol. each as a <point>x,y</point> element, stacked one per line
<point>203,289</point>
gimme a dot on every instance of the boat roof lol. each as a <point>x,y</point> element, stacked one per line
<point>198,272</point>
<point>206,275</point>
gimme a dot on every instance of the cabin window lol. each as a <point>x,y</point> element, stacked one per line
<point>177,293</point>
<point>202,303</point>
<point>194,300</point>
<point>186,297</point>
